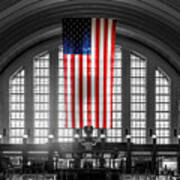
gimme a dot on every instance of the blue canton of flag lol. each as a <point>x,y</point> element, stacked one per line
<point>77,36</point>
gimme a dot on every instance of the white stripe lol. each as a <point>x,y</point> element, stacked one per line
<point>109,73</point>
<point>101,72</point>
<point>77,122</point>
<point>69,90</point>
<point>93,45</point>
<point>85,90</point>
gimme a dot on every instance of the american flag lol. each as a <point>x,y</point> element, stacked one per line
<point>88,57</point>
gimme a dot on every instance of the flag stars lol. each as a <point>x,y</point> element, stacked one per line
<point>77,35</point>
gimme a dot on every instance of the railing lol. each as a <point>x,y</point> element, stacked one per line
<point>147,177</point>
<point>30,177</point>
<point>55,177</point>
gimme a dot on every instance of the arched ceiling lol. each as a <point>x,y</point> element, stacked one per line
<point>25,23</point>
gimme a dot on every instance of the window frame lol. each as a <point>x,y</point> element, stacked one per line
<point>126,44</point>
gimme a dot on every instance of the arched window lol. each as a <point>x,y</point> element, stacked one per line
<point>142,88</point>
<point>16,106</point>
<point>163,106</point>
<point>64,134</point>
<point>138,98</point>
<point>41,96</point>
<point>115,134</point>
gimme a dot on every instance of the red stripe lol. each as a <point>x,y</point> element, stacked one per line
<point>88,90</point>
<point>97,73</point>
<point>105,74</point>
<point>65,89</point>
<point>112,69</point>
<point>81,90</point>
<point>73,90</point>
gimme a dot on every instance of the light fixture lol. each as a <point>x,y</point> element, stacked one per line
<point>1,138</point>
<point>76,136</point>
<point>102,136</point>
<point>77,133</point>
<point>50,136</point>
<point>178,136</point>
<point>25,136</point>
<point>154,136</point>
<point>128,136</point>
<point>102,133</point>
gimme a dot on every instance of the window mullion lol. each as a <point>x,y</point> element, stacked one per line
<point>125,92</point>
<point>29,127</point>
<point>6,109</point>
<point>41,96</point>
<point>174,111</point>
<point>150,128</point>
<point>54,92</point>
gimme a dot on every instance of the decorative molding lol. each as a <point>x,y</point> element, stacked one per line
<point>4,4</point>
<point>26,18</point>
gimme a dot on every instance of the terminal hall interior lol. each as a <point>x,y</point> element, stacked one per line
<point>43,130</point>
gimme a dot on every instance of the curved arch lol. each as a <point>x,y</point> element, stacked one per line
<point>127,45</point>
<point>37,21</point>
<point>54,32</point>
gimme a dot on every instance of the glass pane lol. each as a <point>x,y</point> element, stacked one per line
<point>16,107</point>
<point>162,108</point>
<point>138,99</point>
<point>41,80</point>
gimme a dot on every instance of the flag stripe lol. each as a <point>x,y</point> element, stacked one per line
<point>69,90</point>
<point>109,73</point>
<point>101,72</point>
<point>73,89</point>
<point>65,89</point>
<point>77,91</point>
<point>89,90</point>
<point>97,72</point>
<point>93,50</point>
<point>112,69</point>
<point>105,73</point>
<point>85,90</point>
<point>81,89</point>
